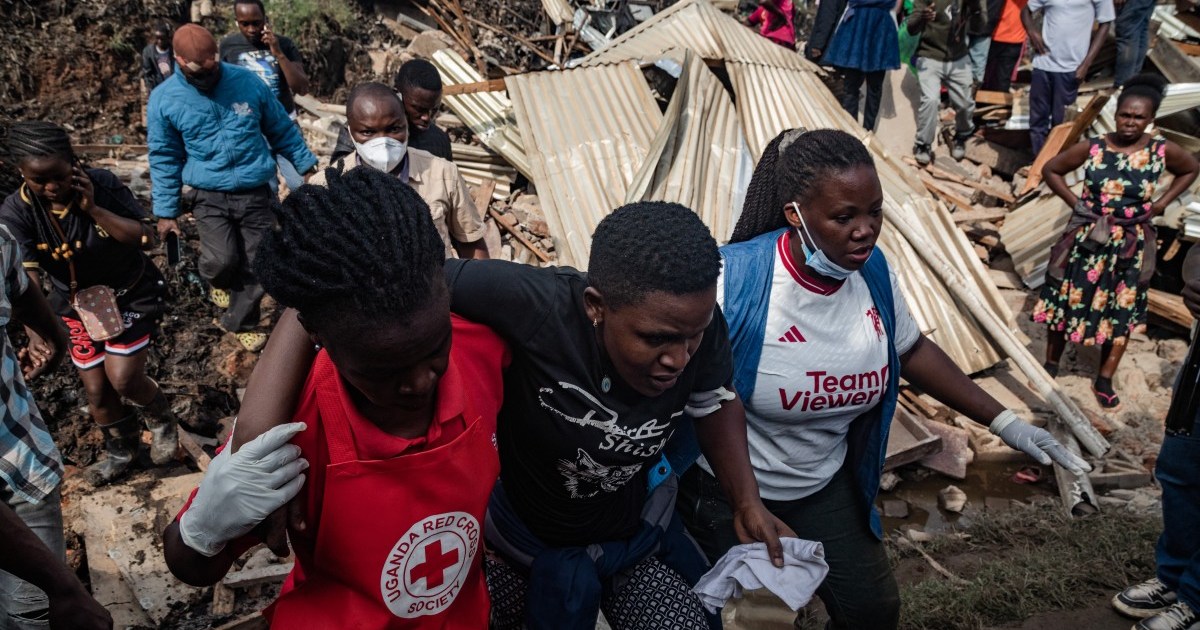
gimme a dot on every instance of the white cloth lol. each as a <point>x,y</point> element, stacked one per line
<point>749,567</point>
<point>824,363</point>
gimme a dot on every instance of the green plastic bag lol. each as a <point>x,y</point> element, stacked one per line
<point>908,46</point>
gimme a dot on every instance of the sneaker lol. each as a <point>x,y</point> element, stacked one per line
<point>959,150</point>
<point>1144,600</point>
<point>219,297</point>
<point>922,154</point>
<point>252,341</point>
<point>1177,617</point>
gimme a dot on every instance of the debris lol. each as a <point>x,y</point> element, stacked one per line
<point>889,481</point>
<point>908,441</point>
<point>895,508</point>
<point>934,564</point>
<point>952,499</point>
<point>1171,308</point>
<point>1027,474</point>
<point>955,454</point>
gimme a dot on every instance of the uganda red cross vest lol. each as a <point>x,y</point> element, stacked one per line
<point>399,544</point>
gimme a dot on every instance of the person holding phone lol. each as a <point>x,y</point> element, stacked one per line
<point>942,60</point>
<point>274,58</point>
<point>84,229</point>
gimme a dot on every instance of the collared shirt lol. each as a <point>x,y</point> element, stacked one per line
<point>30,464</point>
<point>443,188</point>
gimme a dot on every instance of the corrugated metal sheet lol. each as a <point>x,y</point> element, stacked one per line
<point>488,114</point>
<point>593,128</point>
<point>699,157</point>
<point>559,11</point>
<point>1029,231</point>
<point>698,26</point>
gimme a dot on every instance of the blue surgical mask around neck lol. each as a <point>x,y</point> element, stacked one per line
<point>814,257</point>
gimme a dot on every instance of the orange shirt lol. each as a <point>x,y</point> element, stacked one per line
<point>1010,30</point>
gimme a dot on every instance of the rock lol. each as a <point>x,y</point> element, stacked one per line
<point>1111,502</point>
<point>952,499</point>
<point>895,508</point>
<point>538,228</point>
<point>918,536</point>
<point>1173,350</point>
<point>889,481</point>
<point>956,453</point>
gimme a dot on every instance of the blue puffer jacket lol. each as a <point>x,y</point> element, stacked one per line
<point>224,141</point>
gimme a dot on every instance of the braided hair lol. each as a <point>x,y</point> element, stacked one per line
<point>1148,86</point>
<point>359,248</point>
<point>38,139</point>
<point>791,168</point>
<point>651,246</point>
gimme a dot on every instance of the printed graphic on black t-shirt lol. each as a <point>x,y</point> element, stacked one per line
<point>572,454</point>
<point>238,50</point>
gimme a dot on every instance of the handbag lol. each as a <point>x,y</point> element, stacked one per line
<point>96,305</point>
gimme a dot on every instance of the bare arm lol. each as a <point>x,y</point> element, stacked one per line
<point>1098,38</point>
<point>1035,32</point>
<point>293,71</point>
<point>932,371</point>
<point>1184,167</point>
<point>476,250</point>
<point>277,381</point>
<point>24,555</point>
<point>1056,170</point>
<point>32,310</point>
<point>722,437</point>
<point>190,566</point>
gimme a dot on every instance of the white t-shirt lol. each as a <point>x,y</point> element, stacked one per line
<point>1067,29</point>
<point>824,363</point>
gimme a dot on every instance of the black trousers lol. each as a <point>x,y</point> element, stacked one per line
<point>852,81</point>
<point>1002,58</point>
<point>859,592</point>
<point>231,225</point>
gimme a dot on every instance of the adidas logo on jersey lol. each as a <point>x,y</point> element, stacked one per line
<point>792,336</point>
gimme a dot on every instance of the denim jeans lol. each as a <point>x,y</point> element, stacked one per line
<point>1132,32</point>
<point>1178,551</point>
<point>24,606</point>
<point>859,591</point>
<point>977,51</point>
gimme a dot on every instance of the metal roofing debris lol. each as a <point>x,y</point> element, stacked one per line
<point>488,114</point>
<point>698,26</point>
<point>593,128</point>
<point>699,157</point>
<point>1180,97</point>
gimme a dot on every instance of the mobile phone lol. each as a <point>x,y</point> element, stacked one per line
<point>173,252</point>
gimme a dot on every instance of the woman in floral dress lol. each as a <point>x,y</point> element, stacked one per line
<point>1099,271</point>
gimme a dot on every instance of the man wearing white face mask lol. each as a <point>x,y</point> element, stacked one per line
<point>379,131</point>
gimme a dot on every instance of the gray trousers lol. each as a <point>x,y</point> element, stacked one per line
<point>24,606</point>
<point>231,224</point>
<point>956,76</point>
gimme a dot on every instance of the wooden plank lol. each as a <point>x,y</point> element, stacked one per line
<point>1189,49</point>
<point>908,441</point>
<point>1176,65</point>
<point>1054,145</point>
<point>224,600</point>
<point>1170,307</point>
<point>1006,279</point>
<point>268,574</point>
<point>491,85</point>
<point>253,621</point>
<point>123,526</point>
<point>482,195</point>
<point>985,187</point>
<point>542,256</point>
<point>989,97</point>
<point>194,450</point>
<point>979,214</point>
<point>944,192</point>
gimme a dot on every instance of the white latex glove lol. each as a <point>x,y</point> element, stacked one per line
<point>1036,443</point>
<point>239,490</point>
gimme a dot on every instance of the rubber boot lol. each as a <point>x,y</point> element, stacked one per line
<point>164,432</point>
<point>121,440</point>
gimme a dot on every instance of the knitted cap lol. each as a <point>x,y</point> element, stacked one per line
<point>195,47</point>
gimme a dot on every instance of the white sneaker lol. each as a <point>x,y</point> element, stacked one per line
<point>1177,617</point>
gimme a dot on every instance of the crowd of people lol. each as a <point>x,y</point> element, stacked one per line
<point>448,441</point>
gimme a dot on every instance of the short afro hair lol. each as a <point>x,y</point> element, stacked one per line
<point>1148,86</point>
<point>361,248</point>
<point>373,89</point>
<point>257,3</point>
<point>651,246</point>
<point>418,73</point>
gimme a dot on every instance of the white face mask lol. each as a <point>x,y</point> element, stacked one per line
<point>383,153</point>
<point>814,257</point>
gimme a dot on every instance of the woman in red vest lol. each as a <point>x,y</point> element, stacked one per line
<point>397,422</point>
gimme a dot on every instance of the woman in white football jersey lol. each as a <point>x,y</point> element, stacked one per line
<point>821,334</point>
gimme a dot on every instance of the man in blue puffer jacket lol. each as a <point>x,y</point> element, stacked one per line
<point>216,127</point>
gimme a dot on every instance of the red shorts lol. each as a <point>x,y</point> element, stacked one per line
<point>86,353</point>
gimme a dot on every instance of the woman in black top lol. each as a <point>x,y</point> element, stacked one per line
<point>84,228</point>
<point>607,366</point>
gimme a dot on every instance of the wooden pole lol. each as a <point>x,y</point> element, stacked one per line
<point>1066,409</point>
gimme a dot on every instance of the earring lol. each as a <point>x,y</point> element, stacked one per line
<point>596,323</point>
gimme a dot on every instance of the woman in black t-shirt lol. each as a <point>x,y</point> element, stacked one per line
<point>84,229</point>
<point>607,366</point>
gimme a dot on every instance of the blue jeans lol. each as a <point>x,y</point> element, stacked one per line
<point>1178,551</point>
<point>24,606</point>
<point>1133,38</point>
<point>977,50</point>
<point>1049,95</point>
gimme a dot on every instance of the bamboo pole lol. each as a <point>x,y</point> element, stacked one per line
<point>1066,409</point>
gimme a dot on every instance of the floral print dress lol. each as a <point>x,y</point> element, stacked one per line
<point>1100,298</point>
